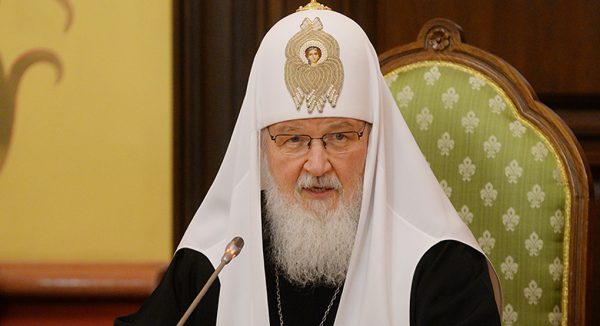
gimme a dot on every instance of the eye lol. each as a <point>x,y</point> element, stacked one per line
<point>291,141</point>
<point>294,139</point>
<point>339,136</point>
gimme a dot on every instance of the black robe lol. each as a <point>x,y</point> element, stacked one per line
<point>451,286</point>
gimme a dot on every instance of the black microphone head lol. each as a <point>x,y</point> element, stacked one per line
<point>232,249</point>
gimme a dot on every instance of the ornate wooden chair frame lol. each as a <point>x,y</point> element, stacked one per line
<point>441,40</point>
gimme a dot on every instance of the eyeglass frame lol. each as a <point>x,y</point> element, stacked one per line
<point>358,133</point>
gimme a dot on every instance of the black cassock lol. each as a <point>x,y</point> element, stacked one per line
<point>451,286</point>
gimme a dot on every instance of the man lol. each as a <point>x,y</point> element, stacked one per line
<point>344,222</point>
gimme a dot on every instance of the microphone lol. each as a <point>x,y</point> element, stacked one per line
<point>232,249</point>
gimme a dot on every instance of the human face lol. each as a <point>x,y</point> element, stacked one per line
<point>347,167</point>
<point>313,56</point>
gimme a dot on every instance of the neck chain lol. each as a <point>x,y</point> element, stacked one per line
<point>337,291</point>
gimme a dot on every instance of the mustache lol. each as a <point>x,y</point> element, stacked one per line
<point>306,180</point>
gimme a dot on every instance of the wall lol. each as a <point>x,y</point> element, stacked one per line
<point>87,173</point>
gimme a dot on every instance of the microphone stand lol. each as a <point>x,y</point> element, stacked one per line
<point>210,281</point>
<point>231,251</point>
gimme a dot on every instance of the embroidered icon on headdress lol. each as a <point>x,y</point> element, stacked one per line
<point>313,70</point>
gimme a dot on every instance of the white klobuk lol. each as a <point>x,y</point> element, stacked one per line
<point>404,211</point>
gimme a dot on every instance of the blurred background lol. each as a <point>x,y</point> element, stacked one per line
<point>115,114</point>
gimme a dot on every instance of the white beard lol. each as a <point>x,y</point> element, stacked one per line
<point>314,245</point>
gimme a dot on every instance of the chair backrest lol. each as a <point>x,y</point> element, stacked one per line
<point>511,167</point>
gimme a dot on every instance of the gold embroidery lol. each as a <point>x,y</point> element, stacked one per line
<point>313,5</point>
<point>313,70</point>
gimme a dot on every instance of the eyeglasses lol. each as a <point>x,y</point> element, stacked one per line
<point>337,142</point>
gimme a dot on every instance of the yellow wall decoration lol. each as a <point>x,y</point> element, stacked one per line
<point>86,160</point>
<point>9,83</point>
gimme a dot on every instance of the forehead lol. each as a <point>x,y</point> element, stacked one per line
<point>316,124</point>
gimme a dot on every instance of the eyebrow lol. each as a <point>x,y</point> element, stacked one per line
<point>286,129</point>
<point>339,125</point>
<point>329,128</point>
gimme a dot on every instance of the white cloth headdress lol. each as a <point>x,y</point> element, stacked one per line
<point>404,211</point>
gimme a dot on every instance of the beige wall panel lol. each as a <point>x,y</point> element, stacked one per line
<point>87,175</point>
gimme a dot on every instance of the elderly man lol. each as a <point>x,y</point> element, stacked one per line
<point>343,220</point>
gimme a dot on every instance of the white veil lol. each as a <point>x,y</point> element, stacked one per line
<point>404,211</point>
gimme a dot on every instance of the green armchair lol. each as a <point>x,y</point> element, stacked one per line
<point>512,169</point>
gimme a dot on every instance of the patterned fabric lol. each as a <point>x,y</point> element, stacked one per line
<point>503,177</point>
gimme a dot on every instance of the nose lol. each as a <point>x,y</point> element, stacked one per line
<point>317,162</point>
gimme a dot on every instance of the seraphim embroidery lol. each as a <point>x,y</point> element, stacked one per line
<point>313,70</point>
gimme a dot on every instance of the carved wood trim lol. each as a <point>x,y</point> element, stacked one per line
<point>440,39</point>
<point>85,280</point>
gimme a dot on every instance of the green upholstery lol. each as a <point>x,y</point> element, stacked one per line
<point>502,176</point>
